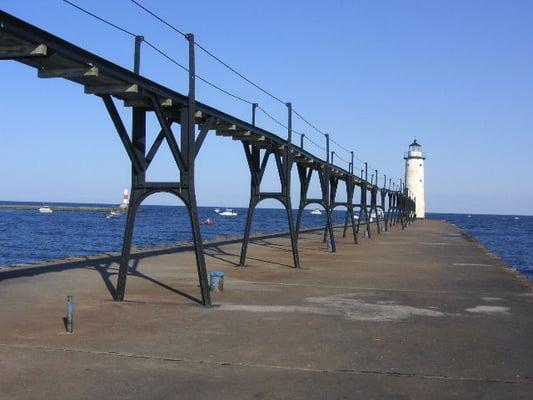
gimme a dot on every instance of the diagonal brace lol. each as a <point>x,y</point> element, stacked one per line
<point>171,140</point>
<point>138,163</point>
<point>205,128</point>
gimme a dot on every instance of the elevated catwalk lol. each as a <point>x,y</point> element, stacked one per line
<point>54,57</point>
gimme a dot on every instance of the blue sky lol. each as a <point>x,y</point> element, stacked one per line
<point>457,75</point>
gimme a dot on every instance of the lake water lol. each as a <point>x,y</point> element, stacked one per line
<point>28,236</point>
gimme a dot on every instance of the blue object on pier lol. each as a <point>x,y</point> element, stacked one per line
<point>216,281</point>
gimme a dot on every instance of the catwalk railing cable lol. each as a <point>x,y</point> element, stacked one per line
<point>232,69</point>
<point>162,20</point>
<point>307,138</point>
<point>159,51</point>
<point>215,86</point>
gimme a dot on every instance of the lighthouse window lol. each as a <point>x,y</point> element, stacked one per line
<point>420,164</point>
<point>420,180</point>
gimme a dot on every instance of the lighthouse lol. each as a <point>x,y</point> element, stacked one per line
<point>414,176</point>
<point>125,200</point>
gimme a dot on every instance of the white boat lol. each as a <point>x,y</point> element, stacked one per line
<point>374,217</point>
<point>228,212</point>
<point>217,210</point>
<point>45,210</point>
<point>516,218</point>
<point>316,211</point>
<point>113,214</point>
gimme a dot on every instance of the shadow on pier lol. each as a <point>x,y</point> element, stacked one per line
<point>107,264</point>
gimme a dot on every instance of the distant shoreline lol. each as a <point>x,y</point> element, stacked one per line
<point>54,208</point>
<point>106,207</point>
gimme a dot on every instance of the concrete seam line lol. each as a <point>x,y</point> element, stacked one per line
<point>264,366</point>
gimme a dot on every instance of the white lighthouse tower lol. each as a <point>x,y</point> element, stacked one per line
<point>414,176</point>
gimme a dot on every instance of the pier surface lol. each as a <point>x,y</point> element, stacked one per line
<point>425,313</point>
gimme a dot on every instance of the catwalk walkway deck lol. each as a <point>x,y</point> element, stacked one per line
<point>424,313</point>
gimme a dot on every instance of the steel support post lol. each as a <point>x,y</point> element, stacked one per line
<point>257,166</point>
<point>363,207</point>
<point>137,54</point>
<point>138,177</point>
<point>247,229</point>
<point>325,183</point>
<point>400,205</point>
<point>333,184</point>
<point>135,198</point>
<point>374,202</point>
<point>382,206</point>
<point>184,157</point>
<point>304,173</point>
<point>374,207</point>
<point>286,188</point>
<point>363,210</point>
<point>188,151</point>
<point>402,209</point>
<point>394,216</point>
<point>390,208</point>
<point>254,108</point>
<point>350,187</point>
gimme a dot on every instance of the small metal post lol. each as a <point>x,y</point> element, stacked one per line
<point>302,136</point>
<point>137,56</point>
<point>192,74</point>
<point>376,177</point>
<point>287,157</point>
<point>362,172</point>
<point>366,171</point>
<point>351,165</point>
<point>289,122</point>
<point>332,157</point>
<point>327,147</point>
<point>254,107</point>
<point>371,179</point>
<point>70,314</point>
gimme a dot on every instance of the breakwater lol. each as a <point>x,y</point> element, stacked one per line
<point>32,207</point>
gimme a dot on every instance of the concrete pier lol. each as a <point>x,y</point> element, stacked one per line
<point>425,313</point>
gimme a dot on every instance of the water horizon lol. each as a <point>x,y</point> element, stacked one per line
<point>27,236</point>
